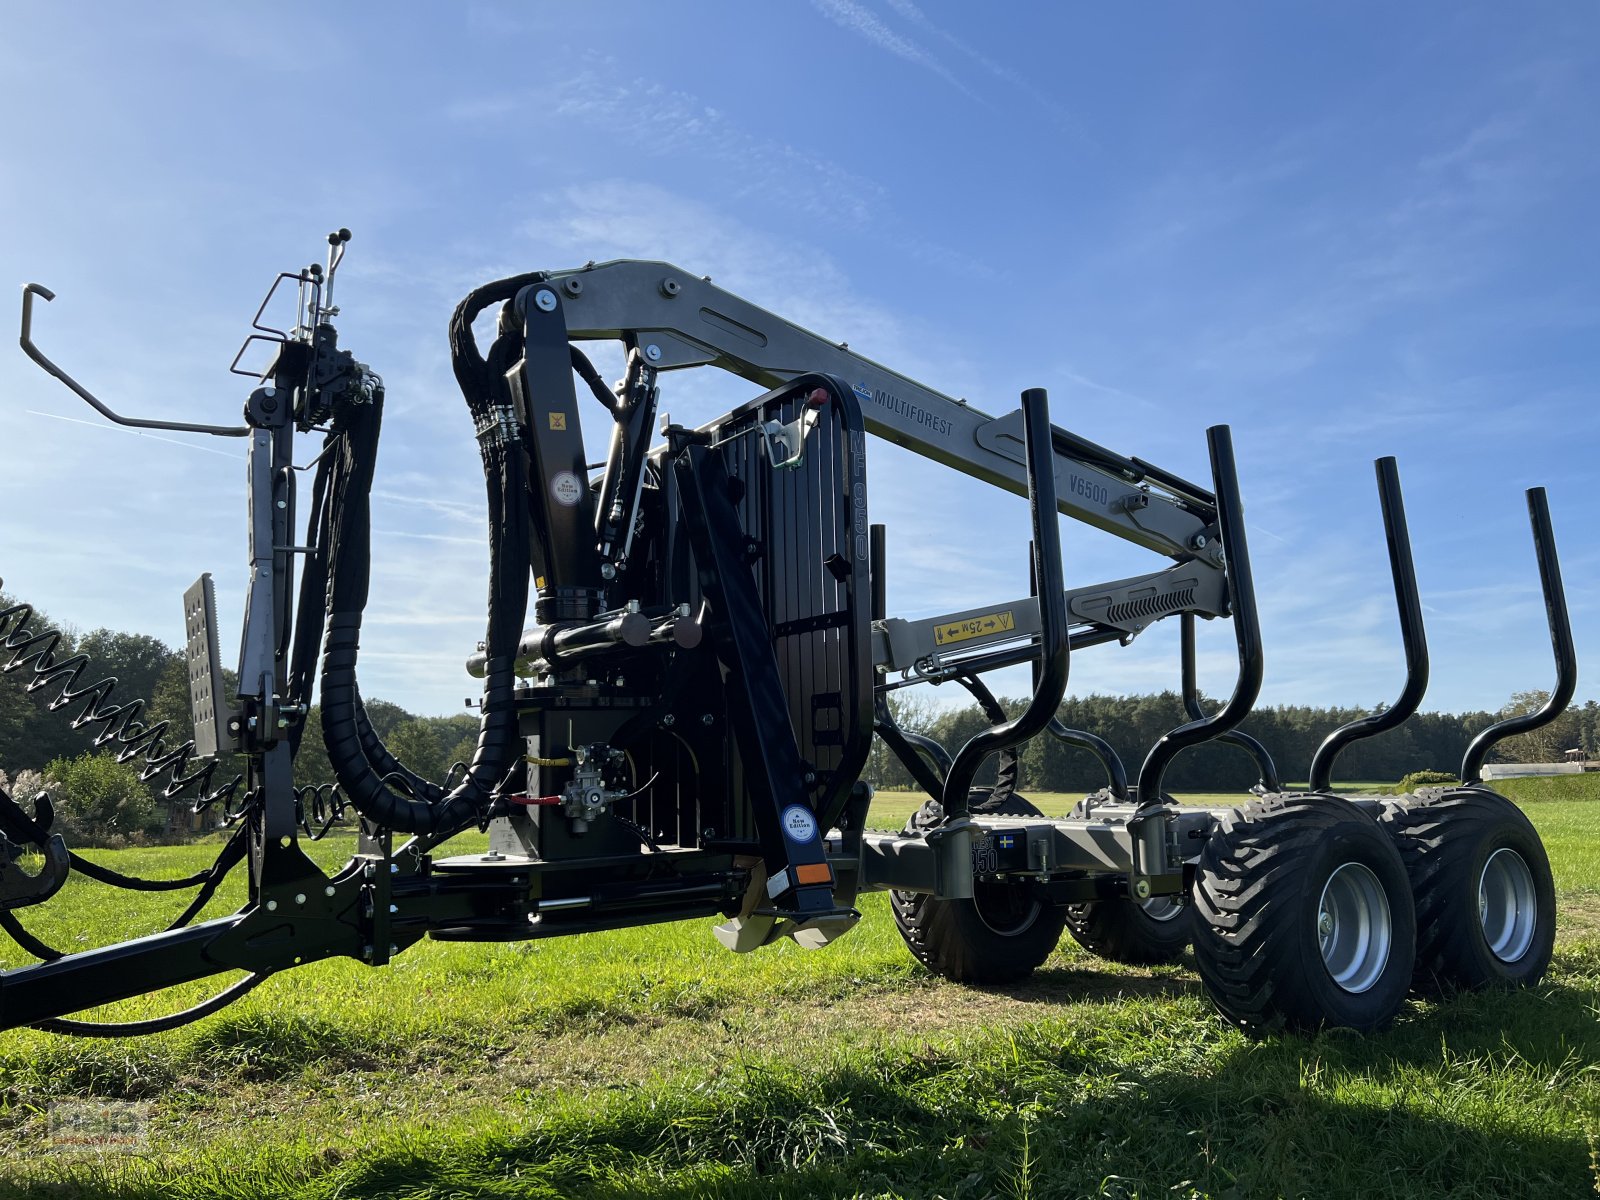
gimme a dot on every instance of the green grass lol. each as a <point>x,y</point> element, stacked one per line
<point>1535,788</point>
<point>651,1062</point>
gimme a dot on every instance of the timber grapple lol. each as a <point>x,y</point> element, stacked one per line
<point>686,658</point>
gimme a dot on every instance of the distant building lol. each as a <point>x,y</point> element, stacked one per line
<point>1515,770</point>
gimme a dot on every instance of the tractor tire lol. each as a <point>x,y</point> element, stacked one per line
<point>1125,930</point>
<point>1122,929</point>
<point>1486,904</point>
<point>1000,935</point>
<point>1303,917</point>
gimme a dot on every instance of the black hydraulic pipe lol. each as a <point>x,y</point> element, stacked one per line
<point>348,590</point>
<point>1177,485</point>
<point>1269,780</point>
<point>1246,626</point>
<point>1412,634</point>
<point>878,551</point>
<point>1135,470</point>
<point>1555,607</point>
<point>1053,642</point>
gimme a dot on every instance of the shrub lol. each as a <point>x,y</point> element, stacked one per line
<point>23,787</point>
<point>1422,779</point>
<point>100,801</point>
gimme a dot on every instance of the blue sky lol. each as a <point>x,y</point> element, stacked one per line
<point>1364,230</point>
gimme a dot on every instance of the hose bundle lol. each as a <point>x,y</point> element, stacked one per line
<point>369,776</point>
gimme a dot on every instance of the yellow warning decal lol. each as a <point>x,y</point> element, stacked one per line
<point>558,420</point>
<point>974,627</point>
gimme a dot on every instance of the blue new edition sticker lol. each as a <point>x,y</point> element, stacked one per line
<point>799,824</point>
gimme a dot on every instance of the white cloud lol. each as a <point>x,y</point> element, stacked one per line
<point>658,122</point>
<point>863,22</point>
<point>911,12</point>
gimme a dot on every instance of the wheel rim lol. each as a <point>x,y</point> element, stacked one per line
<point>1354,928</point>
<point>1508,911</point>
<point>1161,908</point>
<point>1004,908</point>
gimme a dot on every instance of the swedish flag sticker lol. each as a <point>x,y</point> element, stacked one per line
<point>1008,841</point>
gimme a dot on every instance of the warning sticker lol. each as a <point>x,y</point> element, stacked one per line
<point>974,627</point>
<point>558,420</point>
<point>566,489</point>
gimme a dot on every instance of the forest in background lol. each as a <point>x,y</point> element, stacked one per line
<point>1428,741</point>
<point>33,739</point>
<point>99,800</point>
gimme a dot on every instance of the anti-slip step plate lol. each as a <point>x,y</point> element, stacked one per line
<point>205,668</point>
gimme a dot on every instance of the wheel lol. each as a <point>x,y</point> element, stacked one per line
<point>1000,935</point>
<point>1486,905</point>
<point>1125,930</point>
<point>1122,929</point>
<point>1303,917</point>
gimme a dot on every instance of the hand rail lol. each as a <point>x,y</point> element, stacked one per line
<point>29,291</point>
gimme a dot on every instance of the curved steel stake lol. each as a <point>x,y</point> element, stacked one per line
<point>1269,781</point>
<point>1412,634</point>
<point>1246,628</point>
<point>1555,606</point>
<point>1051,681</point>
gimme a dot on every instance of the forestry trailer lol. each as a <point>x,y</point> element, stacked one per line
<point>680,730</point>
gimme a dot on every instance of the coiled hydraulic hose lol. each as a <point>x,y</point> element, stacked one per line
<point>120,725</point>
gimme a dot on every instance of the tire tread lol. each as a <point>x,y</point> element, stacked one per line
<point>1249,893</point>
<point>940,933</point>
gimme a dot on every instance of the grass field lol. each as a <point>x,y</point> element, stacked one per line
<point>653,1063</point>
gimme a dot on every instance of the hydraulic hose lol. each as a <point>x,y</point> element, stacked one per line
<point>308,634</point>
<point>121,724</point>
<point>371,793</point>
<point>363,767</point>
<point>587,372</point>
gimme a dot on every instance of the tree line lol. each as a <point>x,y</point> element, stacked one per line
<point>98,800</point>
<point>1428,741</point>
